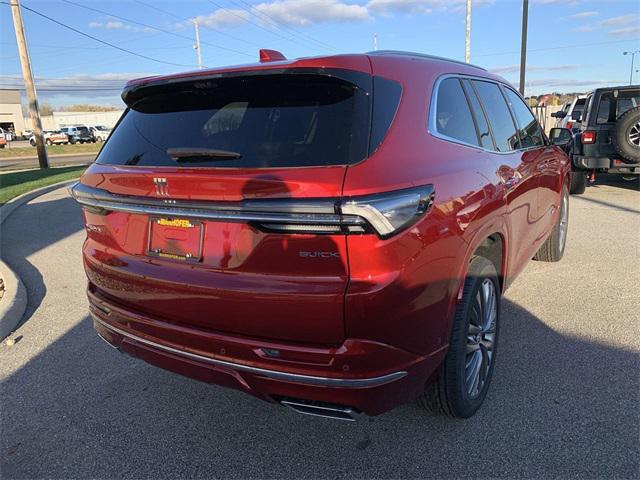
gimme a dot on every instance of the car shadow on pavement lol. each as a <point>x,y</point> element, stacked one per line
<point>20,239</point>
<point>616,180</point>
<point>559,406</point>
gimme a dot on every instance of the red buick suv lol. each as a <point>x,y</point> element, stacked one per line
<point>333,234</point>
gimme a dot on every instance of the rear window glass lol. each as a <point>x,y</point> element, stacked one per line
<point>259,121</point>
<point>611,108</point>
<point>530,131</point>
<point>504,130</point>
<point>453,117</point>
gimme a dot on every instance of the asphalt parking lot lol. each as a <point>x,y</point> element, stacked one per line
<point>563,403</point>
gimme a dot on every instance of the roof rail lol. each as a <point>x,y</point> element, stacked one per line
<point>422,55</point>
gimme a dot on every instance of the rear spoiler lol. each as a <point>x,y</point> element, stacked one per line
<point>136,90</point>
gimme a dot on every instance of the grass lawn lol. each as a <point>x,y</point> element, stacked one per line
<point>17,183</point>
<point>51,150</point>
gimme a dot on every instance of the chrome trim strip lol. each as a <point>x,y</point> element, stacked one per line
<point>432,128</point>
<point>287,377</point>
<point>304,211</point>
<point>346,414</point>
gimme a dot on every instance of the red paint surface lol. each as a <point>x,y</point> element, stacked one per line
<point>380,306</point>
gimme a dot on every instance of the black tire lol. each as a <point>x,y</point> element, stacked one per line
<point>48,142</point>
<point>450,393</point>
<point>72,141</point>
<point>626,137</point>
<point>552,249</point>
<point>32,143</point>
<point>578,182</point>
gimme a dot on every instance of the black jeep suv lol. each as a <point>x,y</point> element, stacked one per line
<point>609,138</point>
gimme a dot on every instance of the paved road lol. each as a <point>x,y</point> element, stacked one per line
<point>55,161</point>
<point>564,400</point>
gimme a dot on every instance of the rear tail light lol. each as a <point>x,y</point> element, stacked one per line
<point>389,213</point>
<point>385,213</point>
<point>588,137</point>
<point>569,125</point>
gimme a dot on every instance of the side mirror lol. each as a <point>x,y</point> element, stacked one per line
<point>576,116</point>
<point>559,114</point>
<point>560,136</point>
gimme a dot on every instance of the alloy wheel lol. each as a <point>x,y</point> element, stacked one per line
<point>634,135</point>
<point>481,338</point>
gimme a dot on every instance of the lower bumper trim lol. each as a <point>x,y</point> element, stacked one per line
<point>274,374</point>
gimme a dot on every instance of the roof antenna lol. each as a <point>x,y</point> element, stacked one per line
<point>267,55</point>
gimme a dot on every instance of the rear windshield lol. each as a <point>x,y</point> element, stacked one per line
<point>611,107</point>
<point>260,121</point>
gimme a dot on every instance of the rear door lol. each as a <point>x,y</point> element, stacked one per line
<point>262,157</point>
<point>515,170</point>
<point>547,164</point>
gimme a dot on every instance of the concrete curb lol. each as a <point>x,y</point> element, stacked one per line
<point>14,302</point>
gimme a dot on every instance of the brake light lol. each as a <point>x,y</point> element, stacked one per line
<point>569,125</point>
<point>588,137</point>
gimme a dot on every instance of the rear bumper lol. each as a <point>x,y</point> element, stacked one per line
<point>367,376</point>
<point>605,163</point>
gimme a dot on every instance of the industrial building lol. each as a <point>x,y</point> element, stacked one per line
<point>11,118</point>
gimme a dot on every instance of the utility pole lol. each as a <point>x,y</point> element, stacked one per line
<point>375,42</point>
<point>27,75</point>
<point>467,37</point>
<point>633,56</point>
<point>197,45</point>
<point>523,47</point>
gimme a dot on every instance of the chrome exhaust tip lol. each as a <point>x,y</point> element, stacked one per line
<point>321,409</point>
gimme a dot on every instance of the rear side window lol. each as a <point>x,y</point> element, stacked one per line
<point>529,128</point>
<point>283,120</point>
<point>453,117</point>
<point>484,132</point>
<point>611,107</point>
<point>504,130</point>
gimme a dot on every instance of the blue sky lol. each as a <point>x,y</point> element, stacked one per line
<point>595,33</point>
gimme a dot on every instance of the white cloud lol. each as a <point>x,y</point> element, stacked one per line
<point>625,32</point>
<point>534,68</point>
<point>421,6</point>
<point>308,12</point>
<point>554,82</point>
<point>620,26</point>
<point>581,15</point>
<point>117,25</point>
<point>557,2</point>
<point>224,17</point>
<point>621,20</point>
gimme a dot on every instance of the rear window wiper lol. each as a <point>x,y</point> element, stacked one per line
<point>201,154</point>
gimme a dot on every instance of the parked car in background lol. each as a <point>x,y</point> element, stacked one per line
<point>7,135</point>
<point>100,132</point>
<point>333,234</point>
<point>26,134</point>
<point>570,115</point>
<point>51,137</point>
<point>3,140</point>
<point>78,134</point>
<point>609,138</point>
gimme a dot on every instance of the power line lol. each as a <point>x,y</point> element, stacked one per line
<point>277,23</point>
<point>100,47</point>
<point>290,38</point>
<point>561,47</point>
<point>171,14</point>
<point>168,32</point>
<point>98,39</point>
